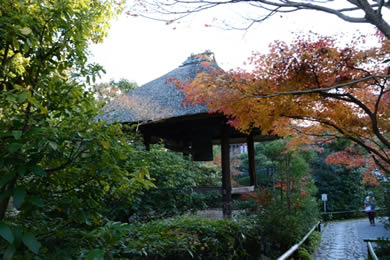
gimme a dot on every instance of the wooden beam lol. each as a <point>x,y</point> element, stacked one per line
<point>251,160</point>
<point>226,178</point>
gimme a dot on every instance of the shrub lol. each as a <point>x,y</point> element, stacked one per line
<point>174,177</point>
<point>382,249</point>
<point>303,254</point>
<point>313,241</point>
<point>178,238</point>
<point>283,226</point>
<point>204,200</point>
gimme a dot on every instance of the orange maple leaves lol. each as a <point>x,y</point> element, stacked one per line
<point>352,158</point>
<point>308,88</point>
<point>349,158</point>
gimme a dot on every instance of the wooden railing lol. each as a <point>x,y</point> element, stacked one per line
<point>355,212</point>
<point>371,252</point>
<point>296,246</point>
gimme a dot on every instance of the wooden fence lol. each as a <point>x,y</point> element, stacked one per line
<point>345,214</point>
<point>296,246</point>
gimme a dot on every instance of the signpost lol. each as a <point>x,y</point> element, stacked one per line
<point>324,199</point>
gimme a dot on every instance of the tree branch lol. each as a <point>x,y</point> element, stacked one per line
<point>319,90</point>
<point>381,166</point>
<point>372,11</point>
<point>71,158</point>
<point>374,121</point>
<point>355,139</point>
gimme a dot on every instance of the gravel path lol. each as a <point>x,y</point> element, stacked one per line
<point>344,239</point>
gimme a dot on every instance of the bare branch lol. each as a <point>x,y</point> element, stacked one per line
<point>372,12</point>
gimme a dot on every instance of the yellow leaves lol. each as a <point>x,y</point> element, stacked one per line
<point>82,4</point>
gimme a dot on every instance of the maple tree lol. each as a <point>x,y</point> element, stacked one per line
<point>311,87</point>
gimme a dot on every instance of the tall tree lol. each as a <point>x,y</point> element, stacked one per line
<point>48,135</point>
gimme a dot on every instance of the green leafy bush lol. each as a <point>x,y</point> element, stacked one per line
<point>174,176</point>
<point>382,248</point>
<point>303,254</point>
<point>178,238</point>
<point>204,200</point>
<point>313,241</point>
<point>283,229</point>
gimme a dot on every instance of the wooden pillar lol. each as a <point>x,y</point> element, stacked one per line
<point>251,160</point>
<point>186,150</point>
<point>226,178</point>
<point>147,140</point>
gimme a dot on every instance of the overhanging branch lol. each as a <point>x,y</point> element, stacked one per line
<point>319,90</point>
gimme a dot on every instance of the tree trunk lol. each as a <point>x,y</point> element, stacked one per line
<point>288,180</point>
<point>4,202</point>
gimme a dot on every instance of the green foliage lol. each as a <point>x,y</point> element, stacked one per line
<point>260,158</point>
<point>178,238</point>
<point>343,186</point>
<point>125,85</point>
<point>284,228</point>
<point>303,254</point>
<point>309,246</point>
<point>71,206</point>
<point>382,248</point>
<point>207,174</point>
<point>263,177</point>
<point>286,207</point>
<point>105,92</point>
<point>174,177</point>
<point>386,196</point>
<point>57,162</point>
<point>76,205</point>
<point>205,200</point>
<point>270,163</point>
<point>314,241</point>
<point>245,205</point>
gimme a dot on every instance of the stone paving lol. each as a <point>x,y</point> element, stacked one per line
<point>344,239</point>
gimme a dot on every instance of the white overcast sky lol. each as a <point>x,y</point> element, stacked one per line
<point>141,50</point>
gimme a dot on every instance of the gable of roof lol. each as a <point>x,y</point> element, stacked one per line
<point>160,98</point>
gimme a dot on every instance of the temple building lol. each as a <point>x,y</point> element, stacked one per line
<point>157,110</point>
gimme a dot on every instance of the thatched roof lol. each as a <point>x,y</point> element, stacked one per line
<point>159,99</point>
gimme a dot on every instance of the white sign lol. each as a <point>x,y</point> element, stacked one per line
<point>324,197</point>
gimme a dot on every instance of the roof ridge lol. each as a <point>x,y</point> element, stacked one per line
<point>197,58</point>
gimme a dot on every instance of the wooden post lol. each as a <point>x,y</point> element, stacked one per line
<point>226,181</point>
<point>251,161</point>
<point>147,140</point>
